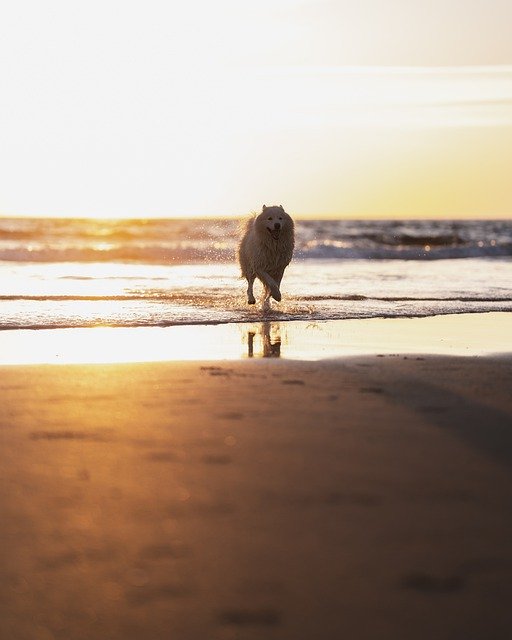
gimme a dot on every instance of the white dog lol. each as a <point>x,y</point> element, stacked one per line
<point>265,251</point>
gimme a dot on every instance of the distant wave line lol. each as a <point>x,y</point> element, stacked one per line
<point>357,297</point>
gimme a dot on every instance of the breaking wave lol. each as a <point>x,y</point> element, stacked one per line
<point>200,241</point>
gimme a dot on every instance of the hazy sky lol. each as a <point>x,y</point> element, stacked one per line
<point>368,108</point>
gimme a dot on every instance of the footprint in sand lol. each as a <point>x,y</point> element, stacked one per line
<point>250,617</point>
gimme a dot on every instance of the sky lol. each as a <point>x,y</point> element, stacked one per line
<point>340,109</point>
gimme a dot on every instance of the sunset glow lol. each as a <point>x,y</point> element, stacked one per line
<point>163,110</point>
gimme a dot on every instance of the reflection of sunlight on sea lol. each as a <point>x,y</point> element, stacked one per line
<point>109,279</point>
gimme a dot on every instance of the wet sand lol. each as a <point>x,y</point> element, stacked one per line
<point>363,497</point>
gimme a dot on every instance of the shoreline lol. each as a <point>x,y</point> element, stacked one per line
<point>472,334</point>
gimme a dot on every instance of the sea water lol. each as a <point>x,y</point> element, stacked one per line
<point>57,273</point>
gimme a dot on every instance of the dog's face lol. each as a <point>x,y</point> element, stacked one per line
<point>274,220</point>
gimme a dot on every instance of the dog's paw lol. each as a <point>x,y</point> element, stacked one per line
<point>276,294</point>
<point>251,300</point>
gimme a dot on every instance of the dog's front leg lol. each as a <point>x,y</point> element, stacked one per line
<point>271,284</point>
<point>265,301</point>
<point>250,295</point>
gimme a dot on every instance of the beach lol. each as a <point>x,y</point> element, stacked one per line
<point>353,482</point>
<point>183,457</point>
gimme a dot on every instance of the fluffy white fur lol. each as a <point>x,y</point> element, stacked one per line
<point>265,251</point>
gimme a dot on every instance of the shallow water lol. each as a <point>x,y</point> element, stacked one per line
<point>191,277</point>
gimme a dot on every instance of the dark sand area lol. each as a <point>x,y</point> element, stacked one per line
<point>366,497</point>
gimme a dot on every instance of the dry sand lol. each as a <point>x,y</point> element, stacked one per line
<point>361,498</point>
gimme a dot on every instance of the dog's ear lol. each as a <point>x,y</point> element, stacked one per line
<point>264,207</point>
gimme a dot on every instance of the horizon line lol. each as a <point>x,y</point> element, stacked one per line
<point>296,216</point>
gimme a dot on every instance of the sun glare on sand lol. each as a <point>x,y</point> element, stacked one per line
<point>462,335</point>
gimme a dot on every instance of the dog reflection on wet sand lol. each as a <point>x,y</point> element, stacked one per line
<point>271,344</point>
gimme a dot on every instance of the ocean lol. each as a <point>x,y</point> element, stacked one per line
<point>57,273</point>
